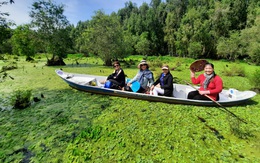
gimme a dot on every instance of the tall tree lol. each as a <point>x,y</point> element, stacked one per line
<point>249,36</point>
<point>3,14</point>
<point>193,36</point>
<point>125,12</point>
<point>229,47</point>
<point>178,8</point>
<point>153,21</point>
<point>143,45</point>
<point>5,30</point>
<point>51,25</point>
<point>105,38</point>
<point>175,12</point>
<point>24,42</point>
<point>76,33</point>
<point>253,12</point>
<point>155,3</point>
<point>170,36</point>
<point>219,17</point>
<point>238,14</point>
<point>5,35</point>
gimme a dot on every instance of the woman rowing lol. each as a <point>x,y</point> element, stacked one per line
<point>210,84</point>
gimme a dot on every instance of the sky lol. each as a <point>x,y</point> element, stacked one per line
<point>75,10</point>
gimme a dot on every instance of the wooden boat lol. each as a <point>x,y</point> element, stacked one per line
<point>90,83</point>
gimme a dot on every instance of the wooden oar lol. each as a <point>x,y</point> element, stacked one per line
<point>234,115</point>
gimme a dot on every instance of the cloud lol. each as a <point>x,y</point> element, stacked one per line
<point>75,10</point>
<point>71,10</point>
<point>19,11</point>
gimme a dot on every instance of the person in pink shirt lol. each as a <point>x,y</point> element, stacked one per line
<point>210,84</point>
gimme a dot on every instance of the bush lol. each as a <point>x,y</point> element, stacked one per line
<point>155,63</point>
<point>178,66</point>
<point>21,99</point>
<point>234,70</point>
<point>255,79</point>
<point>10,66</point>
<point>2,57</point>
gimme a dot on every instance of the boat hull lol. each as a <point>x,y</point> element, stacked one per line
<point>83,83</point>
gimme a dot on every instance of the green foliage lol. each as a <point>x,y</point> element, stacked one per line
<point>234,70</point>
<point>250,43</point>
<point>220,20</point>
<point>143,45</point>
<point>75,56</point>
<point>229,47</point>
<point>9,66</point>
<point>105,38</point>
<point>238,131</point>
<point>255,79</point>
<point>21,99</point>
<point>91,133</point>
<point>195,49</point>
<point>75,34</point>
<point>196,29</point>
<point>154,133</point>
<point>5,35</point>
<point>73,126</point>
<point>52,27</point>
<point>170,36</point>
<point>237,14</point>
<point>23,41</point>
<point>156,63</point>
<point>2,57</point>
<point>193,37</point>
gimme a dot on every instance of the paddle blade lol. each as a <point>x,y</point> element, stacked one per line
<point>135,86</point>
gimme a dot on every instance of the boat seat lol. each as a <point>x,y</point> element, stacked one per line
<point>180,91</point>
<point>82,80</point>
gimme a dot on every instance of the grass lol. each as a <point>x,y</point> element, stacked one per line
<point>72,126</point>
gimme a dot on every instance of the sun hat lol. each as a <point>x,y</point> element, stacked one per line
<point>143,62</point>
<point>165,67</point>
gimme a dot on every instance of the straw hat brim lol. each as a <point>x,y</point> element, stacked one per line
<point>142,63</point>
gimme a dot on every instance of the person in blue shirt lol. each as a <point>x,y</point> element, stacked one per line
<point>144,77</point>
<point>164,84</point>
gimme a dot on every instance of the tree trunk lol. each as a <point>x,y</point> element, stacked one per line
<point>55,61</point>
<point>108,62</point>
<point>29,59</point>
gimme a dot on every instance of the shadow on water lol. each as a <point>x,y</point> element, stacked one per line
<point>250,102</point>
<point>27,154</point>
<point>79,65</point>
<point>246,103</point>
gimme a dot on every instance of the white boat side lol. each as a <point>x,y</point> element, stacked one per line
<point>91,83</point>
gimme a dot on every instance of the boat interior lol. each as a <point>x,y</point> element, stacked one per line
<point>180,90</point>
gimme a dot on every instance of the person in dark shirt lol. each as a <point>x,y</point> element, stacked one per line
<point>117,78</point>
<point>164,84</point>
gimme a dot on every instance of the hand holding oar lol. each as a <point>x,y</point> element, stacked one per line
<point>218,104</point>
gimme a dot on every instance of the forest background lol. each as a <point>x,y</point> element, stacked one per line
<point>213,29</point>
